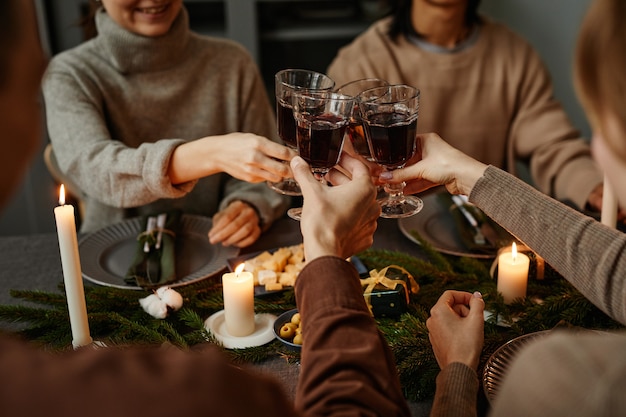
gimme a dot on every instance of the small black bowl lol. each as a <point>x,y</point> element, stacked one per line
<point>282,319</point>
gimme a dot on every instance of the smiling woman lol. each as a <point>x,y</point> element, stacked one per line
<point>144,17</point>
<point>148,116</point>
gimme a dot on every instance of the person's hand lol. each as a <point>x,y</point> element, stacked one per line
<point>245,156</point>
<point>436,162</point>
<point>236,225</point>
<point>374,168</point>
<point>455,328</point>
<point>338,220</point>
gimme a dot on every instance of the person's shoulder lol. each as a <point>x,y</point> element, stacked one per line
<point>376,32</point>
<point>74,58</point>
<point>77,51</point>
<point>499,34</point>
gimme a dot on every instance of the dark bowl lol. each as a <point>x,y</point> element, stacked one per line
<point>282,319</point>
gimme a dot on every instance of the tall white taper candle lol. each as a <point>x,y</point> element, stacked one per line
<point>609,205</point>
<point>72,276</point>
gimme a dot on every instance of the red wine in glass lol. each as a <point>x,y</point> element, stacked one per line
<point>320,142</point>
<point>393,139</point>
<point>286,124</point>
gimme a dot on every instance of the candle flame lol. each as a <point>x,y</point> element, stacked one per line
<point>62,195</point>
<point>514,252</point>
<point>239,268</point>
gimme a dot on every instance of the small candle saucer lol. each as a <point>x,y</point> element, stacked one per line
<point>263,331</point>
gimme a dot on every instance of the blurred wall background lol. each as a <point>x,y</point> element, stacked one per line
<point>550,26</point>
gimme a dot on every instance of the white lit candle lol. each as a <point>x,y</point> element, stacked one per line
<point>512,274</point>
<point>72,276</point>
<point>609,205</point>
<point>239,302</point>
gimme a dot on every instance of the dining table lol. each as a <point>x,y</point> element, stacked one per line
<point>32,262</point>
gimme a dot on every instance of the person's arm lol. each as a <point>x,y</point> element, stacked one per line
<point>587,253</point>
<point>455,330</point>
<point>245,156</point>
<point>347,367</point>
<point>255,115</point>
<point>131,381</point>
<point>559,159</point>
<point>105,168</point>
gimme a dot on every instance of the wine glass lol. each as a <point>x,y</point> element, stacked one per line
<point>390,121</point>
<point>286,83</point>
<point>321,122</point>
<point>355,128</point>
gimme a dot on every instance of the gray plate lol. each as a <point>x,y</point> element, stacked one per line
<point>436,226</point>
<point>106,254</point>
<point>499,362</point>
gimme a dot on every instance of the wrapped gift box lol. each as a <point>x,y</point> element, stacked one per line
<point>387,291</point>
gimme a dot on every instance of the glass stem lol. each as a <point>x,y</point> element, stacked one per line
<point>395,192</point>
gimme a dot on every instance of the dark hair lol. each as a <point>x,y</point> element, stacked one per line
<point>8,35</point>
<point>88,21</point>
<point>401,24</point>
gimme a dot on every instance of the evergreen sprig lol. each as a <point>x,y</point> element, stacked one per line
<point>116,318</point>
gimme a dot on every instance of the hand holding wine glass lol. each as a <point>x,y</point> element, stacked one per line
<point>321,122</point>
<point>287,82</point>
<point>390,121</point>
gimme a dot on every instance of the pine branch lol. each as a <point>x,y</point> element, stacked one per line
<point>116,318</point>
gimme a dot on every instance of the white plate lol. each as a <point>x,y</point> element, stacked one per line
<point>499,362</point>
<point>436,226</point>
<point>106,254</point>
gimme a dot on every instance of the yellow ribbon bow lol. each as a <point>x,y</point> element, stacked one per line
<point>380,277</point>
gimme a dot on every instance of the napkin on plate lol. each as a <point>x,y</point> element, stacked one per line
<point>157,267</point>
<point>496,236</point>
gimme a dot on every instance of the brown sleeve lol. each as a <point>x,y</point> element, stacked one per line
<point>347,367</point>
<point>132,382</point>
<point>457,390</point>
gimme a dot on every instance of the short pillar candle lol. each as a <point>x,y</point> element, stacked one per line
<point>238,290</point>
<point>512,274</point>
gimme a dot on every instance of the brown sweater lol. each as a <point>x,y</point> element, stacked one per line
<point>346,369</point>
<point>563,374</point>
<point>493,100</point>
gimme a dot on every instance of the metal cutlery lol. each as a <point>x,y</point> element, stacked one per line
<point>160,225</point>
<point>479,238</point>
<point>150,226</point>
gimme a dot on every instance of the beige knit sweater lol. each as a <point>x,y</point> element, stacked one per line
<point>492,100</point>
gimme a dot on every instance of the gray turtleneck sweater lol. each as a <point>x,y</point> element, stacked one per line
<point>118,105</point>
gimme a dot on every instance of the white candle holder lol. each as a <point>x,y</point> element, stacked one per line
<point>263,331</point>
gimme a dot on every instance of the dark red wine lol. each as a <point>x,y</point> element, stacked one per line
<point>286,125</point>
<point>357,138</point>
<point>320,142</point>
<point>392,138</point>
